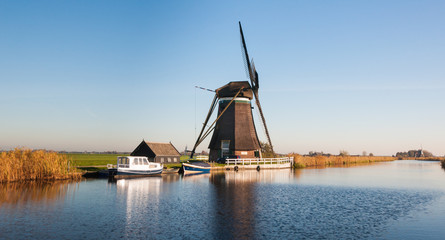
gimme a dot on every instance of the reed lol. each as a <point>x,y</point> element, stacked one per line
<point>424,158</point>
<point>24,164</point>
<point>322,161</point>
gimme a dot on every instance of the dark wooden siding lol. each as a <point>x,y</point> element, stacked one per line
<point>236,125</point>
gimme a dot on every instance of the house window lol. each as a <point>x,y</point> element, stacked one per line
<point>162,160</point>
<point>225,151</point>
<point>175,160</point>
<point>169,159</point>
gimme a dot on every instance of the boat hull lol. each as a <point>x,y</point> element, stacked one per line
<point>139,172</point>
<point>191,168</point>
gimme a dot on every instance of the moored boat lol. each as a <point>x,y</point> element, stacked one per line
<point>137,166</point>
<point>196,167</point>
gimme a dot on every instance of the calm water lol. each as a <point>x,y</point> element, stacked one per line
<point>395,200</point>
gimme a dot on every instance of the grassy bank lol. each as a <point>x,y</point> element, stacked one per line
<point>85,159</point>
<point>25,164</point>
<point>321,161</point>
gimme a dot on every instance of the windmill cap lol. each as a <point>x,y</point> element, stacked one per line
<point>232,88</point>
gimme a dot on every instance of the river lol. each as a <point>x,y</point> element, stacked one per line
<point>390,200</point>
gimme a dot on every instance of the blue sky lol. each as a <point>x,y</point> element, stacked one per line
<point>334,75</point>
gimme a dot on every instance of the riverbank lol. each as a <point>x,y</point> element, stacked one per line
<point>323,161</point>
<point>25,164</point>
<point>424,158</point>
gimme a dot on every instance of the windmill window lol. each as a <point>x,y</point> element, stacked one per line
<point>225,150</point>
<point>225,144</point>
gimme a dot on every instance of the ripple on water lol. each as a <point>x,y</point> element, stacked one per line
<point>317,212</point>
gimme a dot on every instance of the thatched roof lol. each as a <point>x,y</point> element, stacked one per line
<point>153,149</point>
<point>163,149</point>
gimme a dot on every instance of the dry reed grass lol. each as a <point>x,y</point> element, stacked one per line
<point>424,158</point>
<point>25,164</point>
<point>321,161</point>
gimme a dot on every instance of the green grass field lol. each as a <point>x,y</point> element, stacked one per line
<point>81,159</point>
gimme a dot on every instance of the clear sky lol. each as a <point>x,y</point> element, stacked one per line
<point>334,75</point>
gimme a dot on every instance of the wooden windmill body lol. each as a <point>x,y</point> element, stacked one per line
<point>234,132</point>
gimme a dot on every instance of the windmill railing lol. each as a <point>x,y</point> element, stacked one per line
<point>259,161</point>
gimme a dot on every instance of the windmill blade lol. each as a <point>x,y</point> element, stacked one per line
<point>212,107</point>
<point>263,120</point>
<point>254,82</point>
<point>246,59</point>
<point>255,75</point>
<point>203,134</point>
<point>210,90</point>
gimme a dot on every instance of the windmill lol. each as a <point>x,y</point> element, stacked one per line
<point>234,131</point>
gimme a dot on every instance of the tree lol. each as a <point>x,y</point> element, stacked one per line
<point>266,150</point>
<point>364,153</point>
<point>427,154</point>
<point>344,153</point>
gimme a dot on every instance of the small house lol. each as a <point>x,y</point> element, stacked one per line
<point>157,152</point>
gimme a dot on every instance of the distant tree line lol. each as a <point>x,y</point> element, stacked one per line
<point>314,153</point>
<point>414,154</point>
<point>342,153</point>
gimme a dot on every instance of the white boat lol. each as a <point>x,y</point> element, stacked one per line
<point>136,165</point>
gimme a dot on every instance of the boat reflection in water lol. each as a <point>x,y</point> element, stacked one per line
<point>143,201</point>
<point>195,177</point>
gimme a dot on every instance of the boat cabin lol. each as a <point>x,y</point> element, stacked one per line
<point>135,163</point>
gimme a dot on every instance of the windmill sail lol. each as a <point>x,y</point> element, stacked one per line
<point>253,75</point>
<point>234,131</point>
